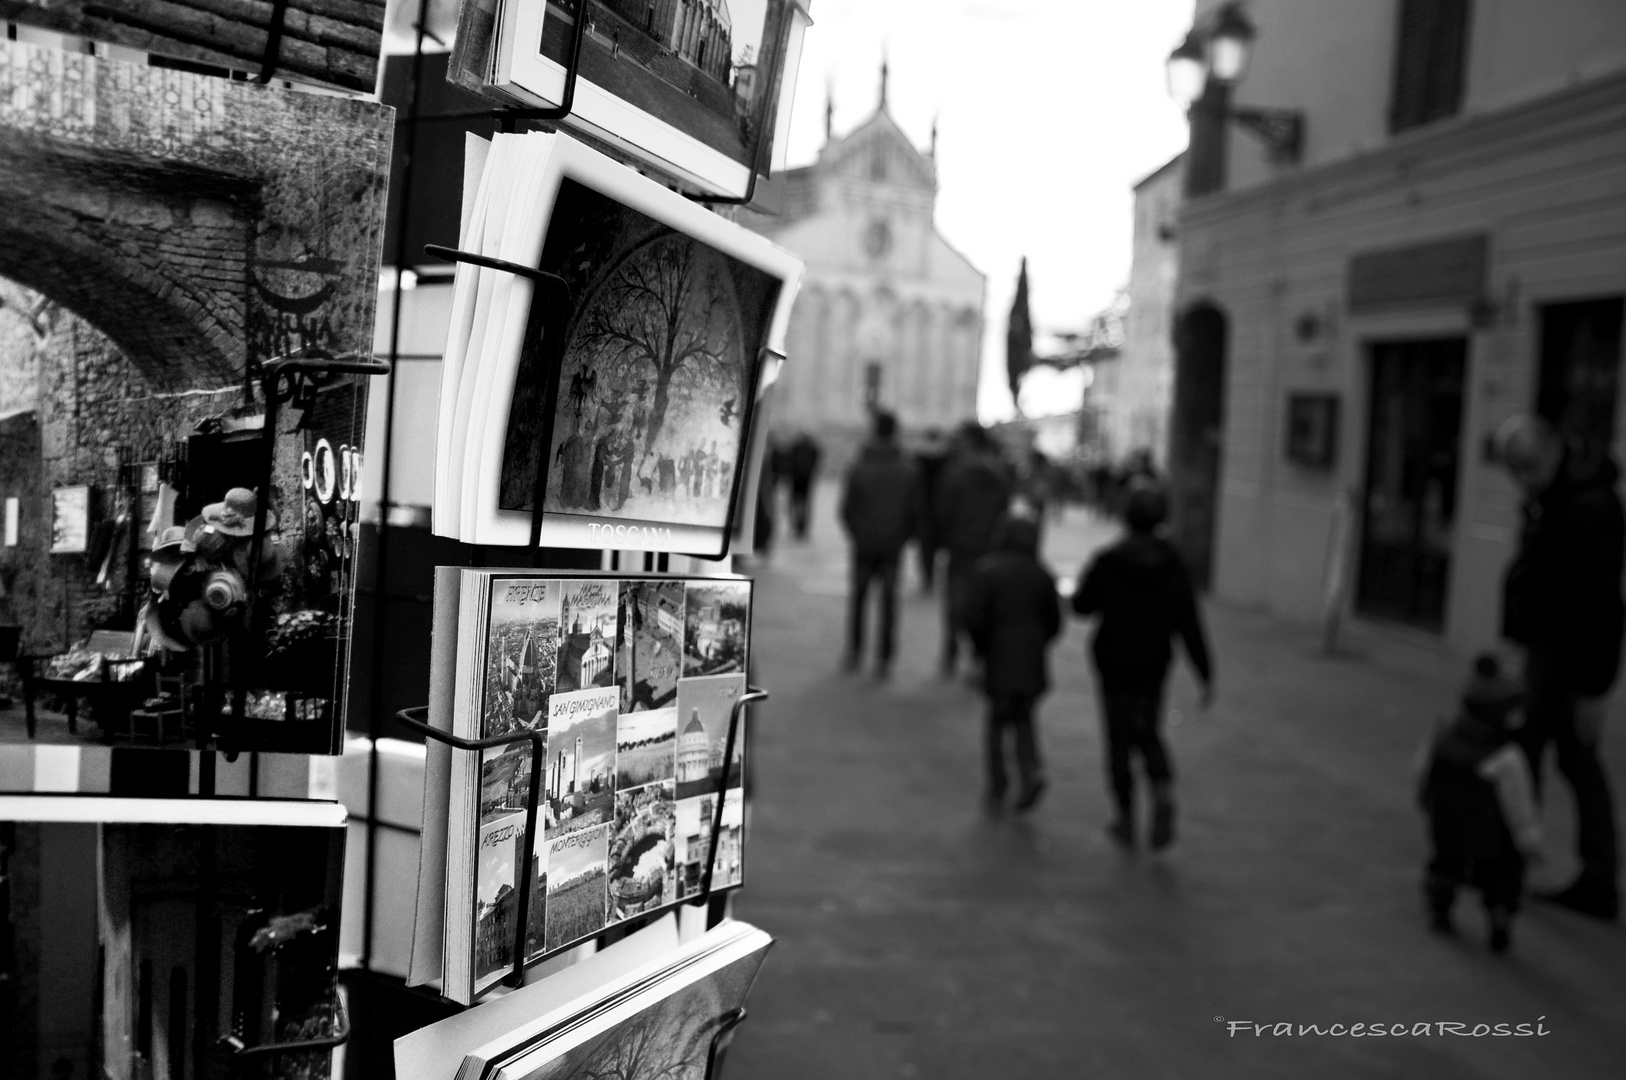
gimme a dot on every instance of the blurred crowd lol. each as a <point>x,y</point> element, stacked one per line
<point>974,511</point>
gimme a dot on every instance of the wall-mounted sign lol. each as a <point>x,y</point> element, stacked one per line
<point>1312,430</point>
<point>1438,272</point>
<point>70,520</point>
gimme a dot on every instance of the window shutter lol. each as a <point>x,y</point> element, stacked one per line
<point>1431,50</point>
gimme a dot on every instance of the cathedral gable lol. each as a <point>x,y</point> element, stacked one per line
<point>880,153</point>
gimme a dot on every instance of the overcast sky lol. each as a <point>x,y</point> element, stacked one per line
<point>1049,111</point>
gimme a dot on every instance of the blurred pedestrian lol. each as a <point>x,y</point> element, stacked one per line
<point>1013,615</point>
<point>879,508</point>
<point>1034,483</point>
<point>766,485</point>
<point>1142,592</point>
<point>1475,788</point>
<point>1561,601</point>
<point>801,466</point>
<point>973,495</point>
<point>929,462</point>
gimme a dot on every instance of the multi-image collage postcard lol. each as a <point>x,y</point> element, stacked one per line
<point>634,681</point>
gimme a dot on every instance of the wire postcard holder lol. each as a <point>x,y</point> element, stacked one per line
<point>417,720</point>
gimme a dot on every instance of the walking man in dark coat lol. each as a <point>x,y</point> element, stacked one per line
<point>1012,615</point>
<point>801,466</point>
<point>973,495</point>
<point>878,508</point>
<point>1143,594</point>
<point>1561,601</point>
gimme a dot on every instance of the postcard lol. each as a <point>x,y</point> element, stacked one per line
<point>578,864</point>
<point>700,89</point>
<point>705,708</point>
<point>651,639</point>
<point>634,380</point>
<point>587,621</point>
<point>716,618</point>
<point>580,781</point>
<point>141,933</point>
<point>163,519</point>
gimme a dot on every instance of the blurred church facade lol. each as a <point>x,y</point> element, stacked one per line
<point>889,314</point>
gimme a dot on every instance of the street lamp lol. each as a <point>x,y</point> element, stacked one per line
<point>1210,62</point>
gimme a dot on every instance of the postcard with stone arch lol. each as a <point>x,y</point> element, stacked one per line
<point>238,224</point>
<point>638,395</point>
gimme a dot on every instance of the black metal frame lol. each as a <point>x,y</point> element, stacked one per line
<point>1281,130</point>
<point>416,720</point>
<point>560,290</point>
<point>273,41</point>
<point>245,1055</point>
<point>508,119</point>
<point>719,1041</point>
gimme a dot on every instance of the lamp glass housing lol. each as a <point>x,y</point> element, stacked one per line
<point>1187,77</point>
<point>1228,56</point>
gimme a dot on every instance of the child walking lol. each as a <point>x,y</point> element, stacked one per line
<point>1140,589</point>
<point>1012,615</point>
<point>1475,788</point>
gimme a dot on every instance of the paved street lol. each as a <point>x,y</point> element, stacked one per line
<point>918,938</point>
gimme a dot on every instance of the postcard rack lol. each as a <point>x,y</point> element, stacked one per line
<point>416,720</point>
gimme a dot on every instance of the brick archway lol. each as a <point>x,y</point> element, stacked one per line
<point>154,256</point>
<point>194,227</point>
<point>201,224</point>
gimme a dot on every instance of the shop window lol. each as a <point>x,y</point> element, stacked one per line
<point>1431,59</point>
<point>1578,372</point>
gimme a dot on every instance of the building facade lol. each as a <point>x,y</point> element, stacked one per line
<point>1136,388</point>
<point>889,314</point>
<point>1450,250</point>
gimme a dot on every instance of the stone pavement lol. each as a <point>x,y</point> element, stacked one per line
<point>917,937</point>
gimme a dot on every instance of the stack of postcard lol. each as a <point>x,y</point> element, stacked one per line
<point>623,389</point>
<point>633,681</point>
<point>629,1011</point>
<point>698,91</point>
<point>169,937</point>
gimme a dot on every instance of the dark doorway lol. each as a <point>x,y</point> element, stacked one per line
<point>1578,382</point>
<point>1413,449</point>
<point>1196,425</point>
